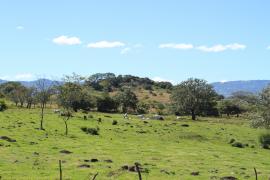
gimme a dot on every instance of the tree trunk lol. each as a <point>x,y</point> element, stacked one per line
<point>193,115</point>
<point>42,117</point>
<point>66,126</point>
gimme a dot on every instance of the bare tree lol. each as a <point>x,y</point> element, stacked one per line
<point>44,91</point>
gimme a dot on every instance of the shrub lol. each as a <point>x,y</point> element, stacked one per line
<point>265,140</point>
<point>114,122</point>
<point>3,106</point>
<point>142,108</point>
<point>92,131</point>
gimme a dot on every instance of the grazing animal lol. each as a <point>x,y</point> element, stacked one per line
<point>56,111</point>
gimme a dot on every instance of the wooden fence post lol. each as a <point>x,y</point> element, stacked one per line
<point>138,170</point>
<point>60,169</point>
<point>256,175</point>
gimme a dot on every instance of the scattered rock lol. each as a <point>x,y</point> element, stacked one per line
<point>232,141</point>
<point>65,152</point>
<point>36,153</point>
<point>157,117</point>
<point>238,145</point>
<point>7,139</point>
<point>185,125</point>
<point>33,143</point>
<point>84,166</point>
<point>228,178</point>
<point>108,161</point>
<point>197,173</point>
<point>94,160</point>
<point>167,172</point>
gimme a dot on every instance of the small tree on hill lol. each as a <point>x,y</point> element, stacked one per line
<point>192,96</point>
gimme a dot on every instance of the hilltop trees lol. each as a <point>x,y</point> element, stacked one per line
<point>193,97</point>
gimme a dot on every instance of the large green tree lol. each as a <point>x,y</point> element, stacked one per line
<point>193,97</point>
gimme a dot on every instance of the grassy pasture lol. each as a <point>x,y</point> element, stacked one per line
<point>165,149</point>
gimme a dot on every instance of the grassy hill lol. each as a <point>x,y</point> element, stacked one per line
<point>170,149</point>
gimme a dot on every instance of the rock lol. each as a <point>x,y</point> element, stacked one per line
<point>157,117</point>
<point>36,153</point>
<point>108,161</point>
<point>141,116</point>
<point>94,160</point>
<point>7,139</point>
<point>185,125</point>
<point>65,152</point>
<point>84,166</point>
<point>197,173</point>
<point>228,178</point>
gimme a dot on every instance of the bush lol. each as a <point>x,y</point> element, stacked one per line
<point>114,122</point>
<point>3,106</point>
<point>142,108</point>
<point>265,140</point>
<point>92,131</point>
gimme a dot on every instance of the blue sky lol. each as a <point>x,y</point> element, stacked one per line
<point>217,40</point>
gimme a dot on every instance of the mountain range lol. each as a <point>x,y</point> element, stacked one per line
<point>224,88</point>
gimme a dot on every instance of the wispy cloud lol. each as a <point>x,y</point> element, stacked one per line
<point>106,44</point>
<point>65,40</point>
<point>125,50</point>
<point>177,46</point>
<point>19,27</point>
<point>268,48</point>
<point>221,47</point>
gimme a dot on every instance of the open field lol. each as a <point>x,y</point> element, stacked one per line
<point>165,149</point>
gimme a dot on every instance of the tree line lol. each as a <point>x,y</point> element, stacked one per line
<point>194,97</point>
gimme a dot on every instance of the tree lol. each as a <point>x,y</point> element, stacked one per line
<point>262,118</point>
<point>193,97</point>
<point>44,91</point>
<point>106,104</point>
<point>232,106</point>
<point>72,97</point>
<point>14,91</point>
<point>127,100</point>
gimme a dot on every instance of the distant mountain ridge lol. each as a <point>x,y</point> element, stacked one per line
<point>224,88</point>
<point>227,88</point>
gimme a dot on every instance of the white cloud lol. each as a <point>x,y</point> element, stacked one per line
<point>224,81</point>
<point>19,27</point>
<point>65,40</point>
<point>24,76</point>
<point>125,50</point>
<point>106,44</point>
<point>220,47</point>
<point>160,79</point>
<point>176,46</point>
<point>19,77</point>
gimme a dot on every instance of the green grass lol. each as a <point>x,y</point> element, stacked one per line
<point>167,149</point>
